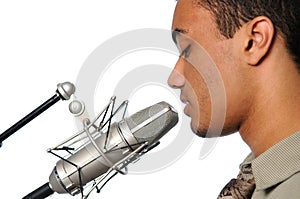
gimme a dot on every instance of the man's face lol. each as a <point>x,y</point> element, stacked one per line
<point>197,27</point>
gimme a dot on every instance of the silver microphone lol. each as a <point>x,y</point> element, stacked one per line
<point>105,152</point>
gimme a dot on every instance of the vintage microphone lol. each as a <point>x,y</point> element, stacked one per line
<point>63,92</point>
<point>101,149</point>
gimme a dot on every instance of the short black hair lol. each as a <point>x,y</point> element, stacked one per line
<point>285,15</point>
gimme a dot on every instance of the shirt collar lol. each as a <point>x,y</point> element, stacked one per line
<point>276,164</point>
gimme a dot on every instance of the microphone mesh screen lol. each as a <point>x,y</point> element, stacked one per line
<point>156,127</point>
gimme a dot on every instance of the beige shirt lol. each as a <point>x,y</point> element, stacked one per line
<point>277,170</point>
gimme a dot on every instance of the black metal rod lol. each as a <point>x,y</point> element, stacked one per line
<point>42,192</point>
<point>50,102</point>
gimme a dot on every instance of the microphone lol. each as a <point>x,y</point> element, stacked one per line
<point>104,154</point>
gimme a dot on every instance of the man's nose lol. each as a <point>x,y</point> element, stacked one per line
<point>176,78</point>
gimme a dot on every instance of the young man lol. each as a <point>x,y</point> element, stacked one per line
<point>254,45</point>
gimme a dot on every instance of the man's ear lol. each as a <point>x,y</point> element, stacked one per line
<point>260,34</point>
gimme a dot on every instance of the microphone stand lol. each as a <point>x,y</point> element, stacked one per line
<point>63,92</point>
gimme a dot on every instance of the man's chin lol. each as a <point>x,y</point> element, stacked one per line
<point>200,131</point>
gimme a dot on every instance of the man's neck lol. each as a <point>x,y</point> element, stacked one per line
<point>276,111</point>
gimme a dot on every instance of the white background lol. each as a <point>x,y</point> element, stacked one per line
<point>43,43</point>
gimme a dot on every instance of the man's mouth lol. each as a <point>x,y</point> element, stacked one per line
<point>187,105</point>
<point>185,102</point>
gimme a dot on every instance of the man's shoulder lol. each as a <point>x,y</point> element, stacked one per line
<point>288,188</point>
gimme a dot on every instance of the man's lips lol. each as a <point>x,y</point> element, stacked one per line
<point>184,100</point>
<point>187,103</point>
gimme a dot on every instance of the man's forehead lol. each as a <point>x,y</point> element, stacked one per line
<point>186,12</point>
<point>195,3</point>
<point>183,15</point>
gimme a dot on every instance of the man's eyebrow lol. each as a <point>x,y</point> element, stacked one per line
<point>176,31</point>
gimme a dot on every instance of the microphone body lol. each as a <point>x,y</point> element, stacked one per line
<point>143,128</point>
<point>65,177</point>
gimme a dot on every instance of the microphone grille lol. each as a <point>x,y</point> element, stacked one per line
<point>153,122</point>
